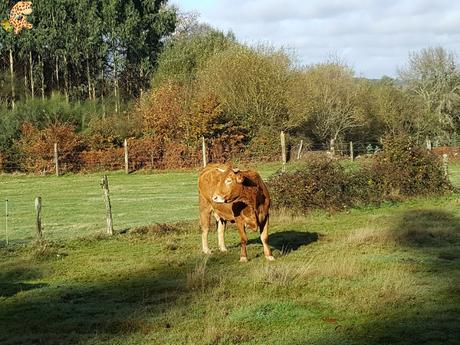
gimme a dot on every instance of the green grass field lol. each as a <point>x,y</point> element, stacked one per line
<point>73,205</point>
<point>387,275</point>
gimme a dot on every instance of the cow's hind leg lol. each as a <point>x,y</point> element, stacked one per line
<point>205,212</point>
<point>264,239</point>
<point>221,224</point>
<point>244,240</point>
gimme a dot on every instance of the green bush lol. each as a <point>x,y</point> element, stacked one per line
<point>405,169</point>
<point>322,183</point>
<point>401,170</point>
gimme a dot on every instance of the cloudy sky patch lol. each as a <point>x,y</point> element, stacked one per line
<point>374,37</point>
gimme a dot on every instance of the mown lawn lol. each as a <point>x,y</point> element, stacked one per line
<point>388,275</point>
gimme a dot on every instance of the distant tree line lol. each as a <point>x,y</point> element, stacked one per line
<point>138,69</point>
<point>85,50</point>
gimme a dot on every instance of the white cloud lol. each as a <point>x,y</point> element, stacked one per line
<point>374,36</point>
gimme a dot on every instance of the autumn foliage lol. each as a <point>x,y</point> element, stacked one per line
<point>36,147</point>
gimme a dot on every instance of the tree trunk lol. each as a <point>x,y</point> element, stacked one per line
<point>31,67</point>
<point>116,95</point>
<point>102,93</point>
<point>42,69</point>
<point>88,77</point>
<point>57,72</point>
<point>66,80</point>
<point>26,84</point>
<point>13,93</point>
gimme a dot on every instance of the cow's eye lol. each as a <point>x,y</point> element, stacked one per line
<point>228,181</point>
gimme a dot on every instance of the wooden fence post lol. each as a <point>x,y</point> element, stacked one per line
<point>108,206</point>
<point>38,219</point>
<point>283,149</point>
<point>352,153</point>
<point>332,147</point>
<point>203,149</point>
<point>445,164</point>
<point>125,145</point>
<point>6,221</point>
<point>299,153</point>
<point>428,144</point>
<point>56,161</point>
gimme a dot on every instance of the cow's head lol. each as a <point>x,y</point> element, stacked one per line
<point>229,187</point>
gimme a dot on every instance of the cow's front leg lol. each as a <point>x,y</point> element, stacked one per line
<point>244,240</point>
<point>264,239</point>
<point>205,212</point>
<point>221,224</point>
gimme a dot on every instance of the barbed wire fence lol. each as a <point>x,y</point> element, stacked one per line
<point>295,150</point>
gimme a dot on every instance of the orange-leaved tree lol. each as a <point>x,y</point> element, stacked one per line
<point>36,147</point>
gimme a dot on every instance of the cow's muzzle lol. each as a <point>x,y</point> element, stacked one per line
<point>218,199</point>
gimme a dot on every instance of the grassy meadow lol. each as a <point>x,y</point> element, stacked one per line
<point>387,275</point>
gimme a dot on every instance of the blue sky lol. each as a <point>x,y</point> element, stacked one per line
<point>372,36</point>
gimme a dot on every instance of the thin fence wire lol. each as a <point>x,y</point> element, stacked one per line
<point>62,220</point>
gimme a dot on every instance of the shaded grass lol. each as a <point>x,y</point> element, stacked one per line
<point>389,275</point>
<point>369,276</point>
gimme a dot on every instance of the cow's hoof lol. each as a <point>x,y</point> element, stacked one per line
<point>270,258</point>
<point>223,250</point>
<point>207,252</point>
<point>243,259</point>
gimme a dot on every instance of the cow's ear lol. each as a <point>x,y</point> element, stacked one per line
<point>239,178</point>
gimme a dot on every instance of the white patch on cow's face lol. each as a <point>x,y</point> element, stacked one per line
<point>218,199</point>
<point>221,170</point>
<point>228,181</point>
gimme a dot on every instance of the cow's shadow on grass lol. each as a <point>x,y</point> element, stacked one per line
<point>287,241</point>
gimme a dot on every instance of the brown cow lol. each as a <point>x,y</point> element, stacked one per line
<point>234,196</point>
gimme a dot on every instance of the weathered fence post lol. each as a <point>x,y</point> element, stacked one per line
<point>283,149</point>
<point>299,153</point>
<point>125,145</point>
<point>428,144</point>
<point>445,164</point>
<point>332,147</point>
<point>108,206</point>
<point>203,149</point>
<point>6,221</point>
<point>352,153</point>
<point>38,219</point>
<point>56,161</point>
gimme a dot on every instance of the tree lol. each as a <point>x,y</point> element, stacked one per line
<point>332,100</point>
<point>432,75</point>
<point>251,85</point>
<point>397,111</point>
<point>185,54</point>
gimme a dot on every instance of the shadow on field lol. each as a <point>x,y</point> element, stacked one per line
<point>11,280</point>
<point>84,311</point>
<point>287,241</point>
<point>432,240</point>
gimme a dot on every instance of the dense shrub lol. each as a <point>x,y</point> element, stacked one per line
<point>401,170</point>
<point>100,160</point>
<point>36,147</point>
<point>2,161</point>
<point>452,152</point>
<point>322,183</point>
<point>404,168</point>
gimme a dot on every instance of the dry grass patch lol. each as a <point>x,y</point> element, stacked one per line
<point>199,278</point>
<point>369,236</point>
